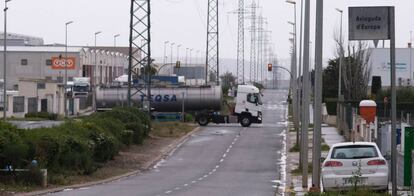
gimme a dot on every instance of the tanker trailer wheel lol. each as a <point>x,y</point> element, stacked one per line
<point>202,120</point>
<point>245,121</point>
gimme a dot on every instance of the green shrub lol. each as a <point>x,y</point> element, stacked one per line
<point>127,137</point>
<point>138,132</point>
<point>44,147</point>
<point>77,156</point>
<point>189,118</point>
<point>110,125</point>
<point>13,149</point>
<point>141,115</point>
<point>43,115</point>
<point>105,146</point>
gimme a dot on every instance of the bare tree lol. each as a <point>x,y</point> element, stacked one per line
<point>356,68</point>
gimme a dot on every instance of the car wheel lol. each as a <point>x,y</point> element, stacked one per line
<point>245,121</point>
<point>202,120</point>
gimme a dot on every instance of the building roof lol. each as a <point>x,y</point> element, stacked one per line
<point>41,49</point>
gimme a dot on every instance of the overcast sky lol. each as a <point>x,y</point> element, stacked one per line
<point>180,21</point>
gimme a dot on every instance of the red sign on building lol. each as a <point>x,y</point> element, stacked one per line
<point>62,63</point>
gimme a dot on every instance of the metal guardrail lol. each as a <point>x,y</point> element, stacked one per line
<point>43,172</point>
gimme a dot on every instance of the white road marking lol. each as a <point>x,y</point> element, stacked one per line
<point>206,175</point>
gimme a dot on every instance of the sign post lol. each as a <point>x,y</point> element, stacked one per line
<point>378,23</point>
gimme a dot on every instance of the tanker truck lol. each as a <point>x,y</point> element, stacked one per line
<point>204,102</point>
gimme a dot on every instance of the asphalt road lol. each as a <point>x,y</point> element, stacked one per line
<point>219,160</point>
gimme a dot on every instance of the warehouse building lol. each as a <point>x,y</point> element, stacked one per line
<point>48,62</point>
<point>380,66</point>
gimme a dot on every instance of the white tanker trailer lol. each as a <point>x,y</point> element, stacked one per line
<point>204,102</point>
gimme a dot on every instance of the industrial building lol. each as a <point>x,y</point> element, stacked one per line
<point>36,74</point>
<point>47,62</point>
<point>380,66</point>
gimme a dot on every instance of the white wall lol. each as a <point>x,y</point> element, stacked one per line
<point>380,62</point>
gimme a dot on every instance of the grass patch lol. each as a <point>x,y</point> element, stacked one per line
<point>298,170</point>
<point>350,193</point>
<point>171,129</point>
<point>295,148</point>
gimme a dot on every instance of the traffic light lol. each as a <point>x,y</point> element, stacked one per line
<point>178,64</point>
<point>269,67</point>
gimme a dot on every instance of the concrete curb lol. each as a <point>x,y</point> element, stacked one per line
<point>165,153</point>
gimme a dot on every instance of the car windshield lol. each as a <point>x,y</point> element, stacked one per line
<point>354,152</point>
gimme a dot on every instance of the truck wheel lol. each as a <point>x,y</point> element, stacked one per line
<point>245,121</point>
<point>202,120</point>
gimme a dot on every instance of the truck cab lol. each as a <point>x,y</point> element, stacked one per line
<point>247,110</point>
<point>248,105</point>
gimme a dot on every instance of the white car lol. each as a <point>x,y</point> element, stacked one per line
<point>352,162</point>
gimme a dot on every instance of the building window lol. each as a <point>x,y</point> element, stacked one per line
<point>41,86</point>
<point>49,62</point>
<point>24,62</point>
<point>60,79</point>
<point>18,104</point>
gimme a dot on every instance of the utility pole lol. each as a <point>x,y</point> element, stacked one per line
<point>299,78</point>
<point>338,114</point>
<point>165,52</point>
<point>393,104</point>
<point>94,79</point>
<point>178,52</point>
<point>171,58</point>
<point>317,112</point>
<point>253,61</point>
<point>306,97</point>
<point>140,54</point>
<point>260,42</point>
<point>66,69</point>
<point>5,61</point>
<point>212,52</point>
<point>116,36</point>
<point>240,44</point>
<point>186,56</point>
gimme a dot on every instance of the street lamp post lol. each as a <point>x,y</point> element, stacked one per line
<point>191,50</point>
<point>186,56</point>
<point>294,73</point>
<point>94,74</point>
<point>66,69</point>
<point>165,51</point>
<point>171,58</point>
<point>338,113</point>
<point>178,52</point>
<point>116,36</point>
<point>198,55</point>
<point>5,61</point>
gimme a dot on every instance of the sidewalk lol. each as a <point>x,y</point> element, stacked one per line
<point>330,136</point>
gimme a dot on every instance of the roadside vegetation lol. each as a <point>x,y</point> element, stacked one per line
<point>77,147</point>
<point>350,193</point>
